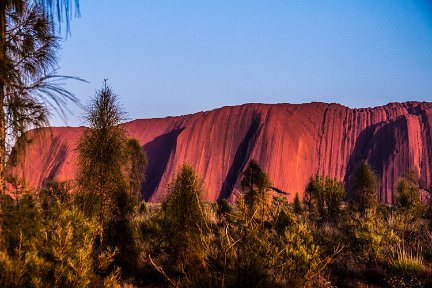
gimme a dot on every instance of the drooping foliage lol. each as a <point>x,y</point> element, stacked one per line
<point>61,10</point>
<point>29,84</point>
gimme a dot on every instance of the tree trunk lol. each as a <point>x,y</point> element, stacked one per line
<point>2,98</point>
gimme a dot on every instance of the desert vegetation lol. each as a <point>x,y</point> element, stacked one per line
<point>96,231</point>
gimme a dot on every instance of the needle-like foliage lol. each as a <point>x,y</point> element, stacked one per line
<point>323,197</point>
<point>254,183</point>
<point>110,172</point>
<point>135,168</point>
<point>101,155</point>
<point>30,56</point>
<point>29,84</point>
<point>185,222</point>
<point>363,187</point>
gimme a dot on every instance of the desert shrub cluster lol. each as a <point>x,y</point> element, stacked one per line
<point>260,239</point>
<point>96,231</point>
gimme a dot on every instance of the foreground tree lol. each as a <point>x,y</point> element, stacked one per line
<point>185,222</point>
<point>408,192</point>
<point>110,168</point>
<point>363,189</point>
<point>255,183</point>
<point>135,167</point>
<point>28,59</point>
<point>297,204</point>
<point>101,156</point>
<point>324,195</point>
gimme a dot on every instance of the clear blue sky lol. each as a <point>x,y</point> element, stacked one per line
<point>178,57</point>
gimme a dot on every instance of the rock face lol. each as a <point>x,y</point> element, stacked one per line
<point>290,142</point>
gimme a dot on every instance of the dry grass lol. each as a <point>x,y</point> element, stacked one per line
<point>407,260</point>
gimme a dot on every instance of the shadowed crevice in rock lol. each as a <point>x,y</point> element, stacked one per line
<point>293,144</point>
<point>425,165</point>
<point>54,164</point>
<point>321,136</point>
<point>360,152</point>
<point>377,144</point>
<point>158,152</point>
<point>241,156</point>
<point>59,160</point>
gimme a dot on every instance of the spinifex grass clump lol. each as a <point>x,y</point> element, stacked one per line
<point>407,260</point>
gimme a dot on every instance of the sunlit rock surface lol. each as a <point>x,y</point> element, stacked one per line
<point>290,142</point>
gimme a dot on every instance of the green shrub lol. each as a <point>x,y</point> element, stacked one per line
<point>408,195</point>
<point>254,184</point>
<point>369,238</point>
<point>363,189</point>
<point>279,250</point>
<point>407,198</point>
<point>59,251</point>
<point>20,221</point>
<point>323,197</point>
<point>297,204</point>
<point>185,229</point>
<point>135,167</point>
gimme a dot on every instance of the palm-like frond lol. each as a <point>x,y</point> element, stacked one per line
<point>63,10</point>
<point>28,71</point>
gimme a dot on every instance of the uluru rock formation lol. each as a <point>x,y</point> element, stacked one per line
<point>290,142</point>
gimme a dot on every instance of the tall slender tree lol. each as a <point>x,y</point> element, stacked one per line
<point>28,47</point>
<point>110,173</point>
<point>102,153</point>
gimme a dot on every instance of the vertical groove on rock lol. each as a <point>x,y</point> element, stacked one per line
<point>427,153</point>
<point>291,142</point>
<point>159,151</point>
<point>320,138</point>
<point>240,158</point>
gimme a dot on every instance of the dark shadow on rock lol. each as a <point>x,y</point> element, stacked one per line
<point>241,156</point>
<point>59,150</point>
<point>158,152</point>
<point>376,144</point>
<point>418,110</point>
